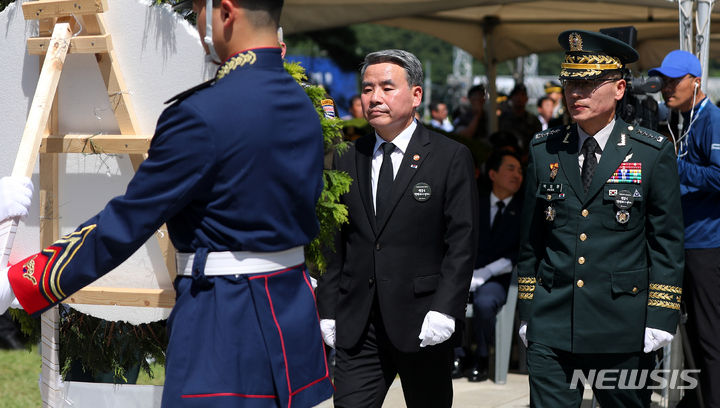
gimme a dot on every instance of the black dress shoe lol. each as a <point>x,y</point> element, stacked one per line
<point>457,371</point>
<point>478,374</point>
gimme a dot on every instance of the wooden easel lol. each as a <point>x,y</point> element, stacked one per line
<point>58,20</point>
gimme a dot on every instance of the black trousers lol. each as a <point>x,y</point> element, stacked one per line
<point>552,384</point>
<point>364,373</point>
<point>702,302</point>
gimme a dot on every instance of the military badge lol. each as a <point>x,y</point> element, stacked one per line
<point>29,270</point>
<point>622,139</point>
<point>416,157</point>
<point>328,107</point>
<point>550,213</point>
<point>622,216</point>
<point>627,173</point>
<point>624,199</point>
<point>554,170</point>
<point>576,43</point>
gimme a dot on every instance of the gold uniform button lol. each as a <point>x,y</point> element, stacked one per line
<point>583,237</point>
<point>585,213</point>
<point>549,197</point>
<point>581,260</point>
<point>580,283</point>
<point>634,289</point>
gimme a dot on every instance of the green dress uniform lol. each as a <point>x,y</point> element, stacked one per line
<point>595,269</point>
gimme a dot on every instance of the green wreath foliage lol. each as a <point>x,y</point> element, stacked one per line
<point>100,346</point>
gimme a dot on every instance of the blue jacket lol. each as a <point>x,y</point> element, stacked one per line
<point>699,168</point>
<point>235,165</point>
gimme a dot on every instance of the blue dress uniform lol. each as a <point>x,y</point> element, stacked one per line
<point>235,165</point>
<point>598,267</point>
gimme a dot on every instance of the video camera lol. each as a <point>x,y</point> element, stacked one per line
<point>637,107</point>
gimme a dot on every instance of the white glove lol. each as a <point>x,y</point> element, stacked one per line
<point>327,327</point>
<point>480,276</point>
<point>523,333</point>
<point>7,297</point>
<point>15,197</point>
<point>436,328</point>
<point>655,339</point>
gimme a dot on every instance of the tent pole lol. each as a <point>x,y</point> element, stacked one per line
<point>702,37</point>
<point>488,26</point>
<point>685,8</point>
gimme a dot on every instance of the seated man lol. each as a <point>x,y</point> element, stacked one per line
<point>439,115</point>
<point>497,251</point>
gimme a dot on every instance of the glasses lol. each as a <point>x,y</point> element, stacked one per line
<point>585,85</point>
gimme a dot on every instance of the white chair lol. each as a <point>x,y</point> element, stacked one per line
<point>504,325</point>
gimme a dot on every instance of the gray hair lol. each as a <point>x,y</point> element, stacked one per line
<point>406,60</point>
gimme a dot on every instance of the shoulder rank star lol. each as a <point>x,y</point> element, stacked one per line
<point>554,170</point>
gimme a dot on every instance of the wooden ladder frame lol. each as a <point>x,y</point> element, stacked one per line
<point>58,19</point>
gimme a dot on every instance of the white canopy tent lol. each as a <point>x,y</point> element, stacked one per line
<point>497,30</point>
<point>512,27</point>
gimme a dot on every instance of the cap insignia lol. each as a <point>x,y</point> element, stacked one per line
<point>576,43</point>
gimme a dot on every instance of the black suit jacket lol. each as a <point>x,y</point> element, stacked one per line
<point>419,258</point>
<point>504,241</point>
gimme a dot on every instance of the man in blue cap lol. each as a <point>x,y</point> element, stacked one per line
<point>234,170</point>
<point>601,258</point>
<point>698,147</point>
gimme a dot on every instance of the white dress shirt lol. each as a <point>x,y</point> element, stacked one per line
<point>401,142</point>
<point>601,137</point>
<point>544,123</point>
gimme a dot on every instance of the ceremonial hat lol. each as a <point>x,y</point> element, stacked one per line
<point>552,86</point>
<point>590,55</point>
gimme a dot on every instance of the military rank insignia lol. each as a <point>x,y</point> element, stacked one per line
<point>554,170</point>
<point>630,173</point>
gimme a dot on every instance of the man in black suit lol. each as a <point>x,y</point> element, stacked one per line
<point>497,251</point>
<point>397,283</point>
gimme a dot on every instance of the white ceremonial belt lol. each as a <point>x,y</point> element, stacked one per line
<point>241,263</point>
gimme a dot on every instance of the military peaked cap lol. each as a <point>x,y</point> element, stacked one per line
<point>590,55</point>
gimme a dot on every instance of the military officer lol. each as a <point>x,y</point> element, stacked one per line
<point>235,170</point>
<point>601,258</point>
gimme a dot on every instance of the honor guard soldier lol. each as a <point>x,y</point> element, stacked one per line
<point>235,170</point>
<point>601,258</point>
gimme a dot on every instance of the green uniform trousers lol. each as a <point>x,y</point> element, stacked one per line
<point>552,384</point>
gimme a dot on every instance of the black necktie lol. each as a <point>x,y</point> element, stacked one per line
<point>385,181</point>
<point>589,149</point>
<point>496,220</point>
